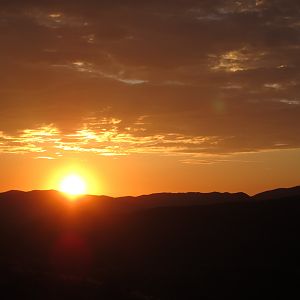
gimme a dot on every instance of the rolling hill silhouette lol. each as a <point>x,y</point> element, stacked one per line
<point>278,193</point>
<point>159,246</point>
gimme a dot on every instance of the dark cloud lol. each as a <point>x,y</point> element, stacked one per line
<point>225,70</point>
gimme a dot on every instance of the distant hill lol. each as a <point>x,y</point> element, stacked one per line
<point>278,193</point>
<point>153,247</point>
<point>159,199</point>
<point>143,201</point>
<point>130,203</point>
<point>45,200</point>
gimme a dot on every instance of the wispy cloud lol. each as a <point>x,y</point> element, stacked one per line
<point>102,137</point>
<point>227,71</point>
<point>55,19</point>
<point>239,60</point>
<point>90,68</point>
<point>29,140</point>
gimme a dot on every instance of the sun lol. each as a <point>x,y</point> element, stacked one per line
<point>73,185</point>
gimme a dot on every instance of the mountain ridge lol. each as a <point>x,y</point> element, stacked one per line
<point>265,195</point>
<point>238,247</point>
<point>43,200</point>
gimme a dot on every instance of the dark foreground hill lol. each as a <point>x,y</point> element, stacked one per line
<point>161,246</point>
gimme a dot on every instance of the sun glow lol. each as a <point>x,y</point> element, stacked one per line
<point>73,185</point>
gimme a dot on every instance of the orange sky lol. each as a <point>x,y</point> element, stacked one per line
<point>150,96</point>
<point>139,174</point>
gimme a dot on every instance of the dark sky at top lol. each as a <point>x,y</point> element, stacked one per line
<point>180,77</point>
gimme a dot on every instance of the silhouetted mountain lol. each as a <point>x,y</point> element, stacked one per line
<point>278,193</point>
<point>182,199</point>
<point>123,204</point>
<point>160,246</point>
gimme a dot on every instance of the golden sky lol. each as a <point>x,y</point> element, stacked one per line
<point>150,96</point>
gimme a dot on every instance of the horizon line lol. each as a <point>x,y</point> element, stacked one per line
<point>154,193</point>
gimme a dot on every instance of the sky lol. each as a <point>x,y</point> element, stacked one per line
<point>150,96</point>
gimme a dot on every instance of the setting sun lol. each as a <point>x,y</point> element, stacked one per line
<point>73,185</point>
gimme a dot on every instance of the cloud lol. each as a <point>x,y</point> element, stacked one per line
<point>101,137</point>
<point>28,140</point>
<point>109,137</point>
<point>226,71</point>
<point>240,60</point>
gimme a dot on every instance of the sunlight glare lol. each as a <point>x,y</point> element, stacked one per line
<point>73,185</point>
